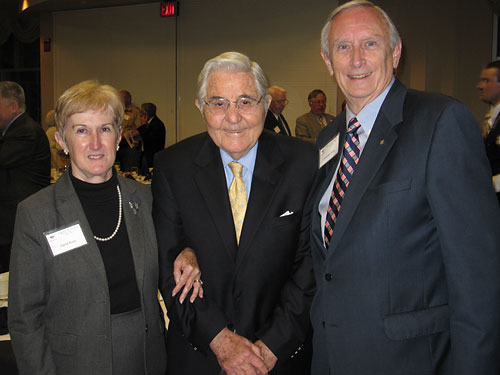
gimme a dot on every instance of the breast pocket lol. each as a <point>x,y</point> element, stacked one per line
<point>392,186</point>
<point>286,218</point>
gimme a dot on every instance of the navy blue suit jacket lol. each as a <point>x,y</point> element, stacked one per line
<point>410,283</point>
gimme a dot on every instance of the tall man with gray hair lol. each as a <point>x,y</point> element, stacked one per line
<point>236,195</point>
<point>405,223</point>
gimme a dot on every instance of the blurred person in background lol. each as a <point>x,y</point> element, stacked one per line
<point>310,124</point>
<point>152,131</point>
<point>275,121</point>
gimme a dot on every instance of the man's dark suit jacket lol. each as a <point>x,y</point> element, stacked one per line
<point>153,137</point>
<point>24,169</point>
<point>410,283</point>
<point>492,144</point>
<point>261,289</point>
<point>273,124</point>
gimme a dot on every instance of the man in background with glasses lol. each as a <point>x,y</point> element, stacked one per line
<point>309,125</point>
<point>236,195</point>
<point>275,121</point>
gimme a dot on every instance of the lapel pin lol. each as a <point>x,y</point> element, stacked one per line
<point>134,206</point>
<point>382,141</point>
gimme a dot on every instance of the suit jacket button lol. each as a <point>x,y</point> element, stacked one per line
<point>323,323</point>
<point>328,277</point>
<point>146,329</point>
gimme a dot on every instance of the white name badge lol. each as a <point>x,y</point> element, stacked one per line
<point>329,151</point>
<point>66,239</point>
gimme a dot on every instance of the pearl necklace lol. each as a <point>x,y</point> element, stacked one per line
<point>119,218</point>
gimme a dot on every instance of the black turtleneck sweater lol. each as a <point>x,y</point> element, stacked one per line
<point>100,204</point>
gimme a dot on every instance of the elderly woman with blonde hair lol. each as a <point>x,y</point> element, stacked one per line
<point>84,264</point>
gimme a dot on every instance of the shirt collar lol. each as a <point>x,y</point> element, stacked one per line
<point>369,113</point>
<point>248,161</point>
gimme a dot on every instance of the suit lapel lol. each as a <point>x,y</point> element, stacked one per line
<point>327,171</point>
<point>132,213</point>
<point>211,182</point>
<point>69,211</point>
<point>382,138</point>
<point>265,180</point>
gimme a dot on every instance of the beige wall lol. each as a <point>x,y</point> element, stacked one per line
<point>446,42</point>
<point>132,47</point>
<point>129,47</point>
<point>281,35</point>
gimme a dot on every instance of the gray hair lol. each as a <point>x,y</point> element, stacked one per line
<point>274,89</point>
<point>13,91</point>
<point>394,38</point>
<point>149,109</point>
<point>234,62</point>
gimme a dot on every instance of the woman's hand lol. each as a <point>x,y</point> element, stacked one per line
<point>187,274</point>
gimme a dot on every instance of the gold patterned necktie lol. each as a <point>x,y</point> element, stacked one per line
<point>322,121</point>
<point>237,197</point>
<point>485,126</point>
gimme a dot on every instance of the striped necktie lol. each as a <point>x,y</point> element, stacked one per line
<point>237,197</point>
<point>350,158</point>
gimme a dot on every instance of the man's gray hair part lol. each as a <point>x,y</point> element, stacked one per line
<point>13,91</point>
<point>233,62</point>
<point>394,38</point>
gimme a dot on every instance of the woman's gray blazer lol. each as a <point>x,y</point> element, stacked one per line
<point>59,310</point>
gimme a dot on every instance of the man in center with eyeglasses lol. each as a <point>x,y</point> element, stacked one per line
<point>236,195</point>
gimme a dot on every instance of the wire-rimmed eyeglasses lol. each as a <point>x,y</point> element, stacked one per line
<point>245,105</point>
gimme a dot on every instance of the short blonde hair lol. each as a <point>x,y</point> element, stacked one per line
<point>89,95</point>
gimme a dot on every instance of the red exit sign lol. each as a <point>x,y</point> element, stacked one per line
<point>169,8</point>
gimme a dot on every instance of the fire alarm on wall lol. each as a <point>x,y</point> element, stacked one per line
<point>169,9</point>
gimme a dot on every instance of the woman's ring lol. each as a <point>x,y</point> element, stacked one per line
<point>199,281</point>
